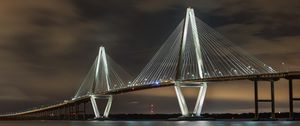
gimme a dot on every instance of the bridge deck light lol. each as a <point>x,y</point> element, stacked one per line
<point>156,82</point>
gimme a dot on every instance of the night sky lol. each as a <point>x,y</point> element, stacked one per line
<point>48,46</point>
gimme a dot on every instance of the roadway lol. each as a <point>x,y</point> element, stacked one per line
<point>257,77</point>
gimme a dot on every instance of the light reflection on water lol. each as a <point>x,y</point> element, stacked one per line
<point>149,123</point>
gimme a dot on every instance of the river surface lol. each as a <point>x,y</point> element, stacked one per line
<point>149,123</point>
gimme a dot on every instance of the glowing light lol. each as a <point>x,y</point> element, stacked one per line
<point>156,82</point>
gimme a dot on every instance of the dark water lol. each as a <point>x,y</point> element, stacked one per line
<point>149,123</point>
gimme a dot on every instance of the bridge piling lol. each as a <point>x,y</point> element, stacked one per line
<point>61,113</point>
<point>69,112</point>
<point>272,99</point>
<point>64,113</point>
<point>84,110</point>
<point>257,100</point>
<point>54,114</point>
<point>57,114</point>
<point>291,100</point>
<point>73,112</point>
<point>47,115</point>
<point>76,105</point>
<point>290,76</point>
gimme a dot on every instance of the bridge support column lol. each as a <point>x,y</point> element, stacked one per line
<point>65,113</point>
<point>84,111</point>
<point>200,99</point>
<point>107,108</point>
<point>181,99</point>
<point>95,107</point>
<point>69,112</point>
<point>257,100</point>
<point>77,111</point>
<point>273,99</point>
<point>291,100</point>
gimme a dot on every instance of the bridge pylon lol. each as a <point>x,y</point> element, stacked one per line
<point>95,106</point>
<point>190,30</point>
<point>189,58</point>
<point>102,77</point>
<point>200,100</point>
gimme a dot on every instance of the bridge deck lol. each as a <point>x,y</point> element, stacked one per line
<point>258,77</point>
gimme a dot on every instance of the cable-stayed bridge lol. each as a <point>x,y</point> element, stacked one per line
<point>192,56</point>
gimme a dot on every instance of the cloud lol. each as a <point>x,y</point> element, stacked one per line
<point>47,47</point>
<point>277,46</point>
<point>24,17</point>
<point>42,43</point>
<point>156,5</point>
<point>14,94</point>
